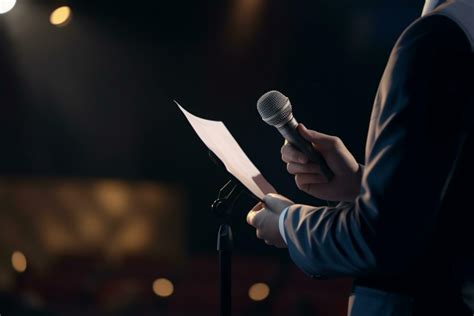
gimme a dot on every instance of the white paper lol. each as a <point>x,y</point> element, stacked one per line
<point>220,141</point>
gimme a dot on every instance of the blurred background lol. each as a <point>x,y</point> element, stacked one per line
<point>105,190</point>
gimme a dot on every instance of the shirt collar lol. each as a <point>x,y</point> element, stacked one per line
<point>430,5</point>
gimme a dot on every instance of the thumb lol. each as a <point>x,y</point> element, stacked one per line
<point>315,137</point>
<point>276,203</point>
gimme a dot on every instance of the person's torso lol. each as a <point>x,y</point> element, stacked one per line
<point>442,281</point>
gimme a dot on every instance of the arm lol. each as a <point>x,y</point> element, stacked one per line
<point>412,145</point>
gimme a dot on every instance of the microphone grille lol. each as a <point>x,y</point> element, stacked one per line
<point>274,108</point>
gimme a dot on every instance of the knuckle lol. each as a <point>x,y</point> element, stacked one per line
<point>290,168</point>
<point>300,158</point>
<point>298,183</point>
<point>293,156</point>
<point>300,178</point>
<point>336,141</point>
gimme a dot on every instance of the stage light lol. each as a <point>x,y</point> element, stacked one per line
<point>259,292</point>
<point>6,5</point>
<point>19,261</point>
<point>163,287</point>
<point>61,16</point>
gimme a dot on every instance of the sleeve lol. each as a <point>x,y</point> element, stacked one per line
<point>415,131</point>
<point>281,224</point>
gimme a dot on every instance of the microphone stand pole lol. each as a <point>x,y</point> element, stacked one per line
<point>222,210</point>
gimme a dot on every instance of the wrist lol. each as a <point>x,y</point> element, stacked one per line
<point>358,181</point>
<point>354,185</point>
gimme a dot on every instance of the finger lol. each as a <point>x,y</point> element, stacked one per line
<point>296,168</point>
<point>283,147</point>
<point>305,179</point>
<point>314,189</point>
<point>276,203</point>
<point>285,144</point>
<point>258,233</point>
<point>256,217</point>
<point>251,215</point>
<point>290,154</point>
<point>321,140</point>
<point>259,206</point>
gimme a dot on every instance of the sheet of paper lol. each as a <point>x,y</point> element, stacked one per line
<point>220,141</point>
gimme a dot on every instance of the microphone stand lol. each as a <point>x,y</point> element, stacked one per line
<point>222,210</point>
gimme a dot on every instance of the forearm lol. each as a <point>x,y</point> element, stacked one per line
<point>329,241</point>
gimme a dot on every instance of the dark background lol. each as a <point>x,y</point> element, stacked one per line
<point>94,99</point>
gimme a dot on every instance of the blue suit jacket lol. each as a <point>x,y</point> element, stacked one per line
<point>407,238</point>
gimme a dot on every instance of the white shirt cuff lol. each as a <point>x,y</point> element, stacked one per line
<point>281,224</point>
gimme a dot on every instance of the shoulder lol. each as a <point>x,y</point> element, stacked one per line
<point>433,33</point>
<point>431,66</point>
<point>432,46</point>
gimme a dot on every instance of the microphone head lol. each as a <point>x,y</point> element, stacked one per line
<point>275,108</point>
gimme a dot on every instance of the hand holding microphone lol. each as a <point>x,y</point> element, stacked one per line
<point>321,164</point>
<point>275,109</point>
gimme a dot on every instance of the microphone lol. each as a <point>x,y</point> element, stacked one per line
<point>275,109</point>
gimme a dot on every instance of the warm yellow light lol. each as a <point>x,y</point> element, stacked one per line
<point>61,16</point>
<point>163,287</point>
<point>19,261</point>
<point>114,197</point>
<point>259,292</point>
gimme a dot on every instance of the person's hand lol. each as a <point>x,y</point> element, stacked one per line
<point>344,186</point>
<point>265,216</point>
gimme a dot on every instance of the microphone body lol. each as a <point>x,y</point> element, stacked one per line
<point>275,110</point>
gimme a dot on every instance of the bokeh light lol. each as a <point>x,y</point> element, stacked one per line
<point>163,287</point>
<point>259,291</point>
<point>61,16</point>
<point>6,5</point>
<point>19,262</point>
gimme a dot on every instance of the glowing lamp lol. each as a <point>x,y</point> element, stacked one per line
<point>6,5</point>
<point>259,291</point>
<point>61,16</point>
